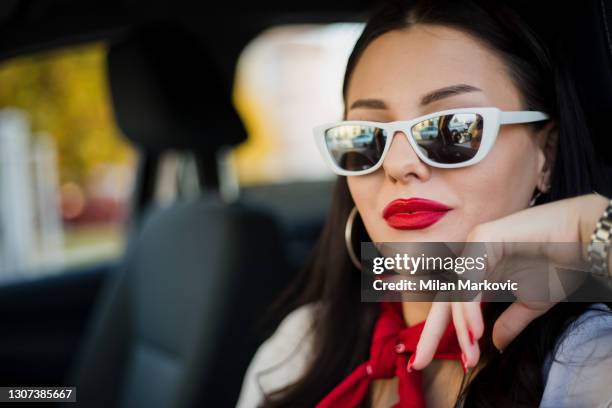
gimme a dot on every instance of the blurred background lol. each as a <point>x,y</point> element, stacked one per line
<point>160,186</point>
<point>67,172</point>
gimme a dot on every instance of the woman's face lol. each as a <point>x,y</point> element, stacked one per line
<point>402,75</point>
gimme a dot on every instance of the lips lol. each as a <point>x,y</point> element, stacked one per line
<point>414,213</point>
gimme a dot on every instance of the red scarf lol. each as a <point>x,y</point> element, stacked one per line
<point>392,344</point>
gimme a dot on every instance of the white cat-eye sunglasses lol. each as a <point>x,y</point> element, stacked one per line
<point>447,139</point>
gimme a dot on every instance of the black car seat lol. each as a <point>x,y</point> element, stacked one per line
<point>174,325</point>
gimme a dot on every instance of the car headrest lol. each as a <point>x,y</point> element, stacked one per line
<point>167,94</point>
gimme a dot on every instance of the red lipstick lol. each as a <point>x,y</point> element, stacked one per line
<point>413,213</point>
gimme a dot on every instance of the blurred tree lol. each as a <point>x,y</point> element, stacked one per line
<point>66,95</point>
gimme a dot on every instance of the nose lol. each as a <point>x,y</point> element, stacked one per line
<point>402,164</point>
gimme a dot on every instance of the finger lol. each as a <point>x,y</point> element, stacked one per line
<point>472,312</point>
<point>514,320</point>
<point>435,326</point>
<point>469,348</point>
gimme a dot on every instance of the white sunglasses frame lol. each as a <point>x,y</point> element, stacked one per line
<point>492,119</point>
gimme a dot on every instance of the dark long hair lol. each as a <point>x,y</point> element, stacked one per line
<point>343,325</point>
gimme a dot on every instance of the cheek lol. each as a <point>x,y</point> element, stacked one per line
<point>503,182</point>
<point>364,190</point>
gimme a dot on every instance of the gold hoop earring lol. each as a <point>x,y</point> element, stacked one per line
<point>348,237</point>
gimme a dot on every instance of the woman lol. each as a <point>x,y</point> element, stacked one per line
<point>413,60</point>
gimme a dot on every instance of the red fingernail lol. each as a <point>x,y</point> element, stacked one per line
<point>464,363</point>
<point>410,361</point>
<point>471,336</point>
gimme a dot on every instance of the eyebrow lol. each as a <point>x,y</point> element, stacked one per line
<point>369,103</point>
<point>446,92</point>
<point>426,99</point>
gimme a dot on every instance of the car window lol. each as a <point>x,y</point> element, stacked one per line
<point>66,173</point>
<point>288,80</point>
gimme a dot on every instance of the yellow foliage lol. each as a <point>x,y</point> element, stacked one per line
<point>66,95</point>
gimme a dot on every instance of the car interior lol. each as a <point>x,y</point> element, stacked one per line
<point>175,321</point>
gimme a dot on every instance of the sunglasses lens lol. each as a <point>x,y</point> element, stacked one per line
<point>449,139</point>
<point>355,147</point>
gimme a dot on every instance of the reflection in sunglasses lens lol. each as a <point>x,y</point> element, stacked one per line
<point>355,147</point>
<point>449,139</point>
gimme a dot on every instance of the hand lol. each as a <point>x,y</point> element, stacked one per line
<point>568,220</point>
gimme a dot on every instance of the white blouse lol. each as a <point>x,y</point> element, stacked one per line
<point>579,375</point>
